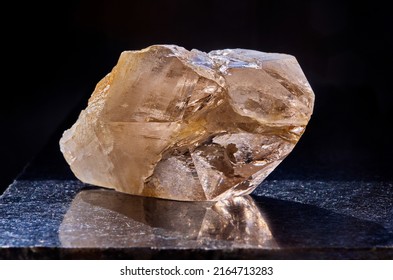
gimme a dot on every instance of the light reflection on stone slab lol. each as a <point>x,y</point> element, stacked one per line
<point>104,218</point>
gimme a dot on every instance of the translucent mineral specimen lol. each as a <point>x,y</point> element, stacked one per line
<point>189,125</point>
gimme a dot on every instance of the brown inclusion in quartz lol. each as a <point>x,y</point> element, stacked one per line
<point>189,125</point>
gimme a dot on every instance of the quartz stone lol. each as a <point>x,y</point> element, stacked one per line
<point>189,125</point>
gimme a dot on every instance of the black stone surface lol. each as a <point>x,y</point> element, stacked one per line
<point>48,214</point>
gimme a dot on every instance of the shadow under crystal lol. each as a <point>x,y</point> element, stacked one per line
<point>105,218</point>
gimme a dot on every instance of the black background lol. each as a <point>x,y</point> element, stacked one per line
<point>54,54</point>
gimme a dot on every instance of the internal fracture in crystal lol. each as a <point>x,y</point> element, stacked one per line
<point>189,125</point>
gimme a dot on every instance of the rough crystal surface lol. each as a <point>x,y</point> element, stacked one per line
<point>189,125</point>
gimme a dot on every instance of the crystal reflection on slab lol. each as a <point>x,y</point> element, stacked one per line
<point>104,218</point>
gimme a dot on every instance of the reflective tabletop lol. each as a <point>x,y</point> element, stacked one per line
<point>282,219</point>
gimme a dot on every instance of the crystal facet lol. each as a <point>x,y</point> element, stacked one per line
<point>189,125</point>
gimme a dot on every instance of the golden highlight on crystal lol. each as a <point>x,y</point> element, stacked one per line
<point>189,125</point>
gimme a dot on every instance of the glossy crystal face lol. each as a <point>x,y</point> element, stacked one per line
<point>189,125</point>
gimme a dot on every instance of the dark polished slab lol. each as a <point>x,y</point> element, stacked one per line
<point>299,212</point>
<point>66,219</point>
